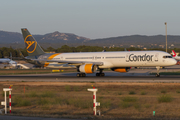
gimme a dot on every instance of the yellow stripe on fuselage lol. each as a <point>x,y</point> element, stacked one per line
<point>54,55</point>
<point>50,58</point>
<point>46,64</point>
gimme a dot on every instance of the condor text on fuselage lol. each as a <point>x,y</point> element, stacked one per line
<point>135,58</point>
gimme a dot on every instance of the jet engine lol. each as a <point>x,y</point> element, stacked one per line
<point>87,68</point>
<point>123,69</point>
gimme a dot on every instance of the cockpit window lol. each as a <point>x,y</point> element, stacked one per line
<point>167,56</point>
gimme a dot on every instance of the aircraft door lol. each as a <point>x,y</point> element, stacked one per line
<point>156,57</point>
<point>94,57</point>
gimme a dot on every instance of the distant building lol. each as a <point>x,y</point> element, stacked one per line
<point>138,46</point>
<point>162,46</point>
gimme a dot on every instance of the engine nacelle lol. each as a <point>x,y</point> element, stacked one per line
<point>87,68</point>
<point>123,69</point>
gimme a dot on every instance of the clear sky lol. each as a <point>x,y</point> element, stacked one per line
<point>91,18</point>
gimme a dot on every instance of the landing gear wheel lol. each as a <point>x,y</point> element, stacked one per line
<point>100,74</point>
<point>81,75</point>
<point>157,75</point>
<point>97,74</point>
<point>78,75</point>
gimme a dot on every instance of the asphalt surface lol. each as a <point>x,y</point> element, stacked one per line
<point>6,117</point>
<point>134,75</point>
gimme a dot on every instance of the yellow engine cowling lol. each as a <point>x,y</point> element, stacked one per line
<point>87,68</point>
<point>123,69</point>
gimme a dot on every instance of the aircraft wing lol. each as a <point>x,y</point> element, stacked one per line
<point>69,62</point>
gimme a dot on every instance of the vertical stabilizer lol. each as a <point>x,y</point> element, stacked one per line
<point>174,53</point>
<point>32,47</point>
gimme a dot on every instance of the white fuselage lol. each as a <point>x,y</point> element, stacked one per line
<point>5,60</point>
<point>177,58</point>
<point>120,59</point>
<point>175,55</point>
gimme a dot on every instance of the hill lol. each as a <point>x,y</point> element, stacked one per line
<point>57,39</point>
<point>138,41</point>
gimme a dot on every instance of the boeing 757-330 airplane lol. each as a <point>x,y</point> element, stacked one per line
<point>89,62</point>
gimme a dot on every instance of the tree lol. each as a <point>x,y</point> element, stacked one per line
<point>50,49</point>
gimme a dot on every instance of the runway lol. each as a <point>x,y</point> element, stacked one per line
<point>134,75</point>
<point>110,77</point>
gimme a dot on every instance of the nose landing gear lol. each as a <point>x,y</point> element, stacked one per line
<point>157,75</point>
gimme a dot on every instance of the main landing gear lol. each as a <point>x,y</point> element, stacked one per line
<point>97,74</point>
<point>100,73</point>
<point>81,75</point>
<point>157,75</point>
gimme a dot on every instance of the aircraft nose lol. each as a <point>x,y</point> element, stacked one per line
<point>173,61</point>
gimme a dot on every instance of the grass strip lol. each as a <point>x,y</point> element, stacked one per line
<point>164,98</point>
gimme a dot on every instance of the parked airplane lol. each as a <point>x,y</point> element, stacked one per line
<point>89,62</point>
<point>5,60</point>
<point>175,55</point>
<point>8,61</point>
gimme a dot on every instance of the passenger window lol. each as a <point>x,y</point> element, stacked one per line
<point>167,56</point>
